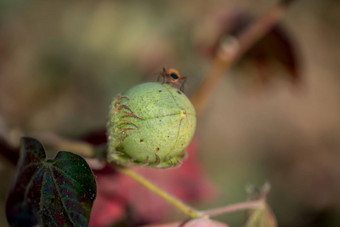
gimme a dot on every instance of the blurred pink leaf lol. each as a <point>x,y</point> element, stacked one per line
<point>200,222</point>
<point>118,193</point>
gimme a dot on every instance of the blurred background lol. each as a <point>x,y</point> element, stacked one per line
<point>274,117</point>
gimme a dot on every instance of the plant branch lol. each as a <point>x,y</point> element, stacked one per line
<point>233,49</point>
<point>10,152</point>
<point>59,143</point>
<point>235,207</point>
<point>171,199</point>
<point>88,150</point>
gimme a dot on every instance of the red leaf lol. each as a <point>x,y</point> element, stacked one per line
<point>200,222</point>
<point>273,56</point>
<point>117,192</point>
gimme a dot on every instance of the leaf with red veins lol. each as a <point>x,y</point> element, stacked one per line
<point>50,192</point>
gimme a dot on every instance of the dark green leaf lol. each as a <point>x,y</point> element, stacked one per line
<point>57,192</point>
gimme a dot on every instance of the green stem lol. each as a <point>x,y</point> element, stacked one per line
<point>174,201</point>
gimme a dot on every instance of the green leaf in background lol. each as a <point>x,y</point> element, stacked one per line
<point>58,192</point>
<point>262,217</point>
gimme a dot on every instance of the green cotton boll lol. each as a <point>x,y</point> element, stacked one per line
<point>150,125</point>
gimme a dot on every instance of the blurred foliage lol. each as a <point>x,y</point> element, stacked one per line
<point>62,62</point>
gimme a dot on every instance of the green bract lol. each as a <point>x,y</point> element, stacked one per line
<point>150,125</point>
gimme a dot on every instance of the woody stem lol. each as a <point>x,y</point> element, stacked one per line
<point>233,50</point>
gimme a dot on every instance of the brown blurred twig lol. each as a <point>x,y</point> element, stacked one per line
<point>59,143</point>
<point>8,153</point>
<point>233,49</point>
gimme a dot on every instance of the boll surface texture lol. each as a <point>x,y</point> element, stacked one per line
<point>150,125</point>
